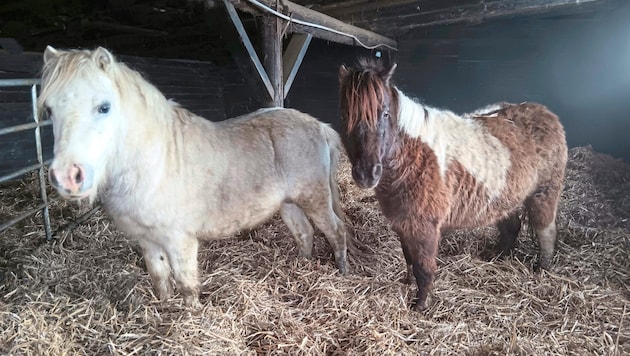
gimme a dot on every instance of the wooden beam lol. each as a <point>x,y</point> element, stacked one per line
<point>259,78</point>
<point>405,17</point>
<point>348,9</point>
<point>292,58</point>
<point>272,49</point>
<point>299,15</point>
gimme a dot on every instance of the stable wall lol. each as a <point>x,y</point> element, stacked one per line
<point>576,62</point>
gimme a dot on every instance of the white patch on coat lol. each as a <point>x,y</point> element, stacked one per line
<point>457,138</point>
<point>547,236</point>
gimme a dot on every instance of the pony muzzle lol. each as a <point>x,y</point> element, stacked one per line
<point>74,182</point>
<point>367,176</point>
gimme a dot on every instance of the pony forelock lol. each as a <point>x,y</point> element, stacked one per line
<point>58,72</point>
<point>363,93</point>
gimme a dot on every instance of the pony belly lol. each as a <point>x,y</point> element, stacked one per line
<point>482,217</point>
<point>221,227</point>
<point>478,210</point>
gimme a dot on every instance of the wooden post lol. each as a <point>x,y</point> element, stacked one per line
<point>272,49</point>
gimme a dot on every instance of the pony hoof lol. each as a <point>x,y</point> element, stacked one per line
<point>343,269</point>
<point>164,293</point>
<point>305,254</point>
<point>192,302</point>
<point>418,307</point>
<point>543,264</point>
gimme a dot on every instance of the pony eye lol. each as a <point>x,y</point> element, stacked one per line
<point>48,112</point>
<point>386,114</point>
<point>104,108</point>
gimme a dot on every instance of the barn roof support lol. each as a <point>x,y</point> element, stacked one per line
<point>275,74</point>
<point>272,47</point>
<point>300,19</point>
<point>258,78</point>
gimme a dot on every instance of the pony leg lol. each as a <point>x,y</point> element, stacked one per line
<point>156,262</point>
<point>182,255</point>
<point>421,249</point>
<point>509,227</point>
<point>300,227</point>
<point>335,231</point>
<point>541,208</point>
<point>409,277</point>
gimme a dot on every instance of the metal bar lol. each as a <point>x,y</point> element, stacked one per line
<point>18,82</point>
<point>21,217</point>
<point>24,127</point>
<point>248,46</point>
<point>24,170</point>
<point>40,159</point>
<point>293,56</point>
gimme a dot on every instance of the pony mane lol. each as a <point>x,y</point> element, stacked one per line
<point>70,64</point>
<point>364,90</point>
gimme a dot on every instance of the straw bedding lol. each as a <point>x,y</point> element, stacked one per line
<point>87,291</point>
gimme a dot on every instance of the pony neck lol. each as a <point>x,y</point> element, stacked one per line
<point>154,128</point>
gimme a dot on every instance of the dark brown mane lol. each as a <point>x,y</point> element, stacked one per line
<point>362,93</point>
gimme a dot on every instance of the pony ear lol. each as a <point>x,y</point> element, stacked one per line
<point>50,53</point>
<point>102,57</point>
<point>343,72</point>
<point>388,73</point>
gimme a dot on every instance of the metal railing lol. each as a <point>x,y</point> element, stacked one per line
<point>39,166</point>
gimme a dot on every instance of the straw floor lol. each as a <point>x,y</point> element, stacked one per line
<point>87,293</point>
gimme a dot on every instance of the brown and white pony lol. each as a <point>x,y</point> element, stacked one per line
<point>434,170</point>
<point>168,177</point>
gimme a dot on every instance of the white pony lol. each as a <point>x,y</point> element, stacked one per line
<point>168,177</point>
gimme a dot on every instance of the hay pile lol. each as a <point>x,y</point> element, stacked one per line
<point>87,292</point>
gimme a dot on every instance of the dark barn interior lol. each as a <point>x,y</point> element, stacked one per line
<point>223,58</point>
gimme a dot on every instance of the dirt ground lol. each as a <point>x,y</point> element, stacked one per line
<point>87,293</point>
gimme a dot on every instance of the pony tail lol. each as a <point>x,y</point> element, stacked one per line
<point>335,147</point>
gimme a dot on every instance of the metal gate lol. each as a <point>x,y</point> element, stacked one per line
<point>36,126</point>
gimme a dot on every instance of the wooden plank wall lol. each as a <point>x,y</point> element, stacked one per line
<point>197,86</point>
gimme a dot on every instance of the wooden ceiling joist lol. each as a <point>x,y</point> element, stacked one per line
<point>400,16</point>
<point>335,30</point>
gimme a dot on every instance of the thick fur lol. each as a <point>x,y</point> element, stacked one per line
<point>168,177</point>
<point>443,171</point>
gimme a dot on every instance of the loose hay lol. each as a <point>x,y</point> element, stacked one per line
<point>87,292</point>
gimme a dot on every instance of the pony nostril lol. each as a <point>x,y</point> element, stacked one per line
<point>377,171</point>
<point>78,176</point>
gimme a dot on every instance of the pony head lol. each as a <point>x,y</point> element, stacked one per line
<point>368,110</point>
<point>80,97</point>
